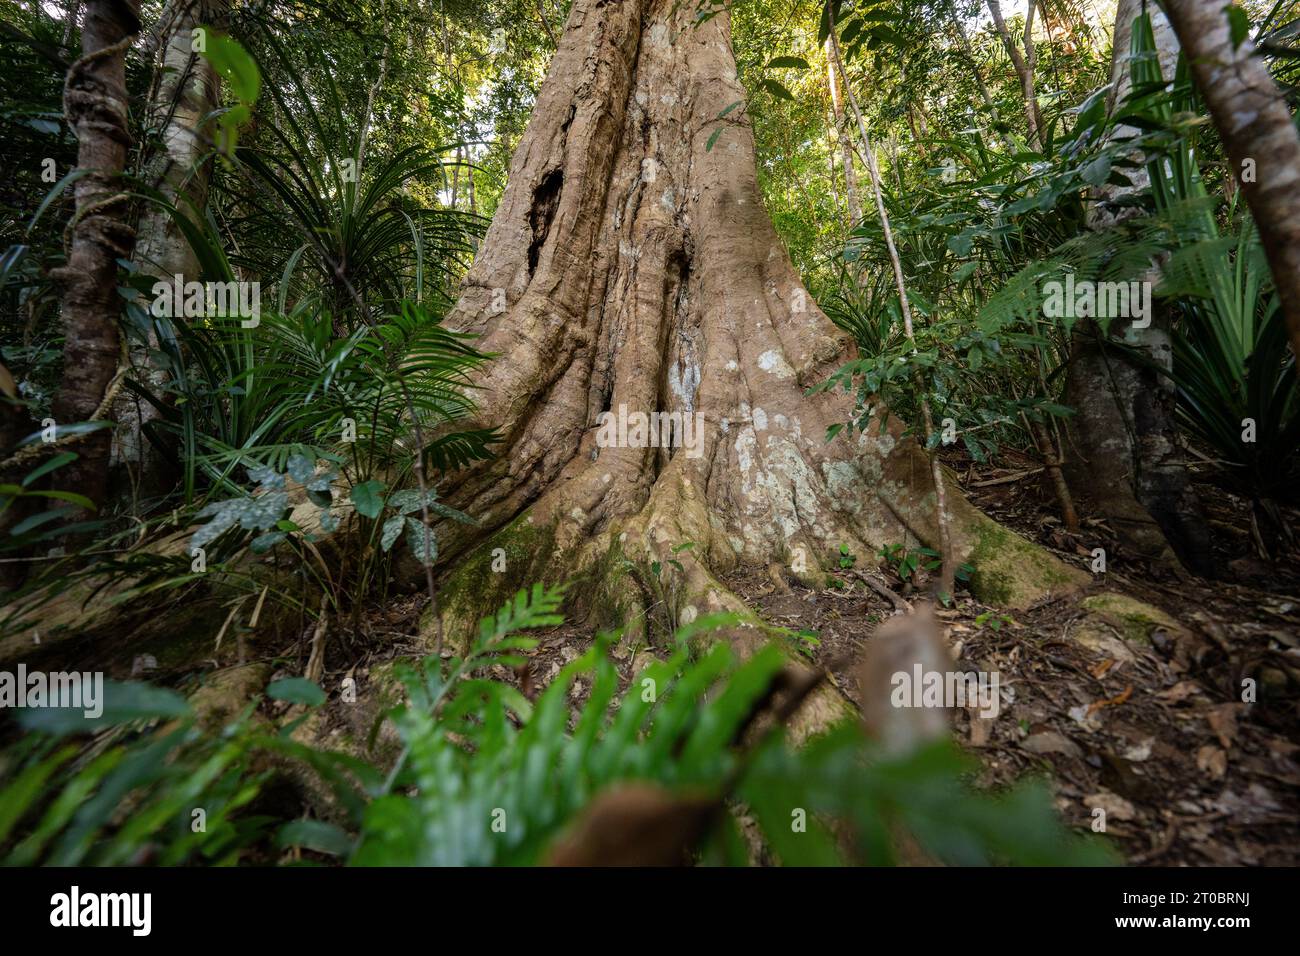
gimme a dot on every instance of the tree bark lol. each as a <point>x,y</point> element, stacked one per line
<point>186,90</point>
<point>841,136</point>
<point>95,105</point>
<point>638,270</point>
<point>1124,455</point>
<point>1257,130</point>
<point>70,24</point>
<point>1025,65</point>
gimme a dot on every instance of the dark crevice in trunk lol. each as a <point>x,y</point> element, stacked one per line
<point>546,198</point>
<point>677,273</point>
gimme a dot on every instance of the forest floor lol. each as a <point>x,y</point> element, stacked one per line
<point>1152,727</point>
<point>1144,723</point>
<point>1136,710</point>
<point>1147,724</point>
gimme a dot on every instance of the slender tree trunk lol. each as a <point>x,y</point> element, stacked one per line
<point>833,174</point>
<point>1258,133</point>
<point>983,88</point>
<point>1125,456</point>
<point>95,105</point>
<point>841,134</point>
<point>186,90</point>
<point>1052,462</point>
<point>70,24</point>
<point>1024,64</point>
<point>454,75</point>
<point>919,105</point>
<point>974,66</point>
<point>368,117</point>
<point>471,196</point>
<point>546,22</point>
<point>640,273</point>
<point>947,573</point>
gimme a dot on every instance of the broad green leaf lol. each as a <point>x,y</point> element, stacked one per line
<point>392,530</point>
<point>234,65</point>
<point>776,89</point>
<point>296,690</point>
<point>58,461</point>
<point>368,498</point>
<point>315,835</point>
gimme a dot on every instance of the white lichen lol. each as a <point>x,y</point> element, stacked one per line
<point>774,362</point>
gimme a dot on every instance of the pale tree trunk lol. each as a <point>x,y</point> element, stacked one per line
<point>1124,455</point>
<point>832,172</point>
<point>630,266</point>
<point>841,135</point>
<point>368,117</point>
<point>1025,65</point>
<point>96,107</point>
<point>186,90</point>
<point>905,309</point>
<point>969,51</point>
<point>919,105</point>
<point>1258,133</point>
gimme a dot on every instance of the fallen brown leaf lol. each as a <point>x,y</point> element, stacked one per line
<point>1115,701</point>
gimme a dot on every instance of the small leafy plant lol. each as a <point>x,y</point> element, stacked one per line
<point>265,515</point>
<point>664,583</point>
<point>906,562</point>
<point>994,621</point>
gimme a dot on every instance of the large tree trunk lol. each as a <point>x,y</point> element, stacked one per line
<point>186,90</point>
<point>638,269</point>
<point>1258,132</point>
<point>1124,454</point>
<point>95,103</point>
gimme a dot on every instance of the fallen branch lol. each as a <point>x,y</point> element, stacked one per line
<point>886,592</point>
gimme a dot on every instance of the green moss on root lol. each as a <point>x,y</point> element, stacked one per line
<point>612,598</point>
<point>1134,619</point>
<point>474,590</point>
<point>1012,572</point>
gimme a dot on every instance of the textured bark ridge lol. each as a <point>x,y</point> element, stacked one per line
<point>95,104</point>
<point>1256,127</point>
<point>638,269</point>
<point>186,91</point>
<point>1125,457</point>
